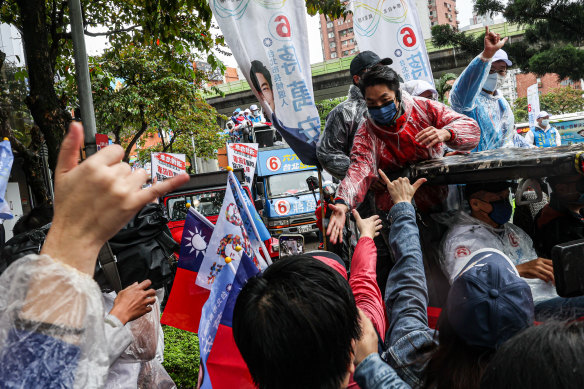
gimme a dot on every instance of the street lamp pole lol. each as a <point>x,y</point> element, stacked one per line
<point>194,154</point>
<point>82,75</point>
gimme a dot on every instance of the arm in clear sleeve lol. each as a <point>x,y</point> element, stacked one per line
<point>362,171</point>
<point>406,293</point>
<point>467,132</point>
<point>332,144</point>
<point>529,137</point>
<point>558,138</point>
<point>468,85</point>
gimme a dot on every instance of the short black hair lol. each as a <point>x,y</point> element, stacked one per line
<point>546,356</point>
<point>258,67</point>
<point>380,75</point>
<point>37,218</point>
<point>492,187</point>
<point>294,325</point>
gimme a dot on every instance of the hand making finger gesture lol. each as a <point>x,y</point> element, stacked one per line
<point>401,190</point>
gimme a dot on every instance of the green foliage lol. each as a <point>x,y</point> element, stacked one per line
<point>554,32</point>
<point>325,106</point>
<point>559,101</point>
<point>181,356</point>
<point>442,85</point>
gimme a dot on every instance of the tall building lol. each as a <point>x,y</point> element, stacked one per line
<point>338,38</point>
<point>11,44</point>
<point>443,12</point>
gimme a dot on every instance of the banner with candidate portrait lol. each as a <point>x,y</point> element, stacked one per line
<point>391,28</point>
<point>268,41</point>
<point>243,156</point>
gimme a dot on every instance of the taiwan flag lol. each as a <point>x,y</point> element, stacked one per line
<point>183,308</point>
<point>222,364</point>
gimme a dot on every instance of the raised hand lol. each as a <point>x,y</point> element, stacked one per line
<point>337,222</point>
<point>369,227</point>
<point>493,42</point>
<point>401,190</point>
<point>94,200</point>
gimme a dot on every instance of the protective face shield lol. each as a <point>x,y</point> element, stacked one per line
<point>501,212</point>
<point>384,115</point>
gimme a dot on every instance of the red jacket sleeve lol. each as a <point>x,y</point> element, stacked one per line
<point>363,169</point>
<point>363,282</point>
<point>466,130</point>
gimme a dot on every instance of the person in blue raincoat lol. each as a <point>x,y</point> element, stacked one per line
<point>475,94</point>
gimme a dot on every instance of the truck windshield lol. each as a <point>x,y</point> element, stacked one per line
<point>206,203</point>
<point>291,184</point>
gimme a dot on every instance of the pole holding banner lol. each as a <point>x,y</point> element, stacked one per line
<point>322,210</point>
<point>532,104</point>
<point>82,75</point>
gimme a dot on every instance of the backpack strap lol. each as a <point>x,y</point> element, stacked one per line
<point>107,261</point>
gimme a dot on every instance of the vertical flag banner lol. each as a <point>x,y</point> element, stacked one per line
<point>532,104</point>
<point>243,156</point>
<point>230,238</point>
<point>183,308</point>
<point>6,160</point>
<point>391,28</point>
<point>268,41</point>
<point>223,366</point>
<point>166,165</point>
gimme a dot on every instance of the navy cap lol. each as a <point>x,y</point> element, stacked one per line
<point>489,302</point>
<point>365,60</point>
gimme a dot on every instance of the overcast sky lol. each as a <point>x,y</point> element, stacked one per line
<point>96,45</point>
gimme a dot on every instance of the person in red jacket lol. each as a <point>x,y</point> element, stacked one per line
<point>399,130</point>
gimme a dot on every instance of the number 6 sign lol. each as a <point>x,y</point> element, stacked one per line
<point>282,207</point>
<point>407,37</point>
<point>273,164</point>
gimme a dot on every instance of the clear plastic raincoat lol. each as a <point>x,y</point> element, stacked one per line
<point>335,141</point>
<point>492,112</point>
<point>392,148</point>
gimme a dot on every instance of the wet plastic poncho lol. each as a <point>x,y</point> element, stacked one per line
<point>469,234</point>
<point>492,112</point>
<point>51,327</point>
<point>392,148</point>
<point>334,145</point>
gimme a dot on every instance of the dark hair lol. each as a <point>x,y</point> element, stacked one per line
<point>454,364</point>
<point>545,356</point>
<point>381,75</point>
<point>258,67</point>
<point>37,218</point>
<point>294,325</point>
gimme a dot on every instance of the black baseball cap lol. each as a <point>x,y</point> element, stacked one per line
<point>365,60</point>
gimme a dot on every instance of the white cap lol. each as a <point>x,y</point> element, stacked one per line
<point>247,111</point>
<point>253,107</point>
<point>542,114</point>
<point>501,55</point>
<point>417,87</point>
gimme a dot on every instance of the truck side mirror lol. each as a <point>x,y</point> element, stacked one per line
<point>260,188</point>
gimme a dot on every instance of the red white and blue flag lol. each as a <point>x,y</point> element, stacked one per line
<point>183,308</point>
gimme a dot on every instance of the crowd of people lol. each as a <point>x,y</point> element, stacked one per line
<point>309,320</point>
<point>238,127</point>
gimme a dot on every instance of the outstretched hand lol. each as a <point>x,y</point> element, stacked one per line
<point>369,227</point>
<point>94,200</point>
<point>134,301</point>
<point>401,190</point>
<point>493,43</point>
<point>337,222</point>
<point>538,268</point>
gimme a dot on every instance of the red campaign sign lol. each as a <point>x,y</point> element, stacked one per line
<point>244,149</point>
<point>101,141</point>
<point>169,159</point>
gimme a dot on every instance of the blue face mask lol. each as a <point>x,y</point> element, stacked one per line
<point>491,82</point>
<point>385,114</point>
<point>501,212</point>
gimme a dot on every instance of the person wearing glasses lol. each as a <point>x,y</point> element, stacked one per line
<point>476,94</point>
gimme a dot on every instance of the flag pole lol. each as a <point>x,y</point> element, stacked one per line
<point>322,206</point>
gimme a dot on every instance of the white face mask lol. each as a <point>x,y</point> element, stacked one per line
<point>545,122</point>
<point>500,81</point>
<point>494,81</point>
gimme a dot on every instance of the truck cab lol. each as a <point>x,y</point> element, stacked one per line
<point>205,192</point>
<point>282,193</point>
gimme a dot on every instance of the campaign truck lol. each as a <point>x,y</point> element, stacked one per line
<point>282,193</point>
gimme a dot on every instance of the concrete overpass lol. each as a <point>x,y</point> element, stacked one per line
<point>331,79</point>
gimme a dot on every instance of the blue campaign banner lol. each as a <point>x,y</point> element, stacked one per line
<point>571,131</point>
<point>280,161</point>
<point>291,206</point>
